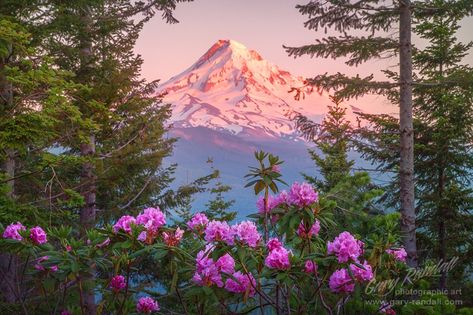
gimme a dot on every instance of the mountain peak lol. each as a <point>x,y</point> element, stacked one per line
<point>233,88</point>
<point>231,49</point>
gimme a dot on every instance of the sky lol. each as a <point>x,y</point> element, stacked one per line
<point>262,25</point>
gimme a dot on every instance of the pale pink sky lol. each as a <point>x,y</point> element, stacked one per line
<point>262,25</point>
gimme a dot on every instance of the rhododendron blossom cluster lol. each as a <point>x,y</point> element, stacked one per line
<point>209,272</point>
<point>12,231</point>
<point>243,283</point>
<point>302,195</point>
<point>118,283</point>
<point>341,282</point>
<point>147,305</point>
<point>362,274</point>
<point>278,258</point>
<point>247,233</point>
<point>37,235</point>
<point>313,231</point>
<point>198,222</point>
<point>152,219</point>
<point>398,254</point>
<point>124,224</point>
<point>218,231</point>
<point>173,238</point>
<point>310,266</point>
<point>345,247</point>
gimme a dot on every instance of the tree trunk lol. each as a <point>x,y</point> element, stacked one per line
<point>8,263</point>
<point>87,150</point>
<point>442,232</point>
<point>406,168</point>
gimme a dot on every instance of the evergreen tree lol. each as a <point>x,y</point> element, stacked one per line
<point>35,113</point>
<point>332,139</point>
<point>377,19</point>
<point>443,111</point>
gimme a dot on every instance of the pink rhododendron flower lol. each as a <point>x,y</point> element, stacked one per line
<point>282,198</point>
<point>270,205</point>
<point>241,284</point>
<point>302,195</point>
<point>340,282</point>
<point>68,248</point>
<point>38,235</point>
<point>12,231</point>
<point>66,312</point>
<point>247,233</point>
<point>345,247</point>
<point>219,231</point>
<point>142,236</point>
<point>208,272</point>
<point>276,168</point>
<point>38,265</point>
<point>273,243</point>
<point>147,305</point>
<point>398,254</point>
<point>173,238</point>
<point>152,219</point>
<point>314,230</point>
<point>360,274</point>
<point>278,258</point>
<point>198,222</point>
<point>124,224</point>
<point>226,264</point>
<point>118,283</point>
<point>310,266</point>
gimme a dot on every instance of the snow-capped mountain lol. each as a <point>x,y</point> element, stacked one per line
<point>232,88</point>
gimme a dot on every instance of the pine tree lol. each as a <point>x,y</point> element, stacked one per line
<point>35,113</point>
<point>332,139</point>
<point>443,112</point>
<point>377,19</point>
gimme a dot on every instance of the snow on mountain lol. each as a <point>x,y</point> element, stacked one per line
<point>232,88</point>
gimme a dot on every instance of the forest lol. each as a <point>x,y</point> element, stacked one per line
<point>92,220</point>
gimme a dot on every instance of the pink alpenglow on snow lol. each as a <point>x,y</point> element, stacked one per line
<point>273,243</point>
<point>247,233</point>
<point>241,284</point>
<point>198,222</point>
<point>313,231</point>
<point>302,195</point>
<point>118,283</point>
<point>278,258</point>
<point>147,305</point>
<point>38,235</point>
<point>360,274</point>
<point>12,231</point>
<point>310,266</point>
<point>124,224</point>
<point>152,219</point>
<point>341,282</point>
<point>345,247</point>
<point>217,231</point>
<point>398,254</point>
<point>173,238</point>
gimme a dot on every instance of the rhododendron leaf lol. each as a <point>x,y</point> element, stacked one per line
<point>350,272</point>
<point>259,187</point>
<point>255,215</point>
<point>251,183</point>
<point>359,265</point>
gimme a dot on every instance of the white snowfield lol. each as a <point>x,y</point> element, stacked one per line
<point>232,88</point>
